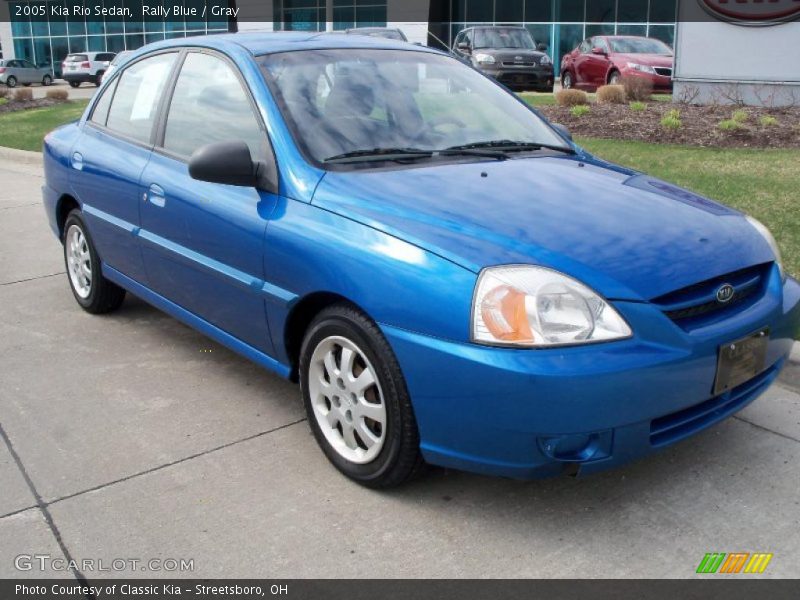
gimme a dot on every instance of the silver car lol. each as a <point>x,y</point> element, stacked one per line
<point>16,71</point>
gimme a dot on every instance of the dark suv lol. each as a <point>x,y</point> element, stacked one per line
<point>509,54</point>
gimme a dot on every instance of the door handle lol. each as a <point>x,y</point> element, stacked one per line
<point>77,161</point>
<point>156,196</point>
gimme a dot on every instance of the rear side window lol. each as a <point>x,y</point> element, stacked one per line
<point>210,105</point>
<point>76,58</point>
<point>133,110</point>
<point>100,112</point>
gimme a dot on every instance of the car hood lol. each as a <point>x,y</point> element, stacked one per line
<point>628,235</point>
<point>650,60</point>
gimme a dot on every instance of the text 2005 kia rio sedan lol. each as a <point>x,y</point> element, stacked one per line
<point>449,278</point>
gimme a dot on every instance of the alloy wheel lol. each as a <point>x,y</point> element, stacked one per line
<point>347,400</point>
<point>79,261</point>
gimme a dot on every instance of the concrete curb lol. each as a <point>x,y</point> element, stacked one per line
<point>24,157</point>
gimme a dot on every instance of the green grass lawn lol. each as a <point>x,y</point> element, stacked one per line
<point>763,183</point>
<point>25,129</point>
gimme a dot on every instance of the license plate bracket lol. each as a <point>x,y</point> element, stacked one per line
<point>740,361</point>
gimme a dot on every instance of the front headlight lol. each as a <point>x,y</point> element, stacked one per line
<point>537,307</point>
<point>770,239</point>
<point>485,59</point>
<point>545,60</point>
<point>642,68</point>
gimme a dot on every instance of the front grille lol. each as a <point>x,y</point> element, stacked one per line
<point>519,64</point>
<point>678,425</point>
<point>695,305</point>
<point>665,71</point>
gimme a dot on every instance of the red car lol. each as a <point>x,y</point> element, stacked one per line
<point>606,59</point>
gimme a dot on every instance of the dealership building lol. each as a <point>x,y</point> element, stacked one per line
<point>711,54</point>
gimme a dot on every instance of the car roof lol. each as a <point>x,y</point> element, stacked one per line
<point>261,43</point>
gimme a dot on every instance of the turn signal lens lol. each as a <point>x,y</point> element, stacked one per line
<point>538,307</point>
<point>504,313</point>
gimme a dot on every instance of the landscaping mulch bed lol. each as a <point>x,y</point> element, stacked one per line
<point>13,105</point>
<point>700,125</point>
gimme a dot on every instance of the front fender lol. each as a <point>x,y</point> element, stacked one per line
<point>311,250</point>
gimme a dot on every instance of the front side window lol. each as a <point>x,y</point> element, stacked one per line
<point>210,105</point>
<point>139,88</point>
<point>343,101</point>
<point>504,37</point>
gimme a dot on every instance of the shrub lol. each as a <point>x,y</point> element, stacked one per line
<point>740,116</point>
<point>571,97</point>
<point>730,125</point>
<point>768,121</point>
<point>611,94</point>
<point>672,120</point>
<point>638,106</point>
<point>59,95</point>
<point>637,88</point>
<point>23,95</point>
<point>3,92</point>
<point>580,110</point>
<point>3,101</point>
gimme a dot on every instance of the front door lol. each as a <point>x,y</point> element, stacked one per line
<point>203,243</point>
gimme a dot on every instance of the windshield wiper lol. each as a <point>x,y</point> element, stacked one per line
<point>379,154</point>
<point>412,154</point>
<point>512,146</point>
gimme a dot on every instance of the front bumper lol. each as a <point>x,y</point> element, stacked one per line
<point>660,83</point>
<point>536,413</point>
<point>539,78</point>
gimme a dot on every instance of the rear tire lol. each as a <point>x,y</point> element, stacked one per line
<point>356,399</point>
<point>47,80</point>
<point>74,84</point>
<point>94,293</point>
<point>98,78</point>
<point>11,81</point>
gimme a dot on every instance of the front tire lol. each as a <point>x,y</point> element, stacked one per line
<point>94,293</point>
<point>615,78</point>
<point>356,399</point>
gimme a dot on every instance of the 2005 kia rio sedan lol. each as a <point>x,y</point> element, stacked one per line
<point>448,276</point>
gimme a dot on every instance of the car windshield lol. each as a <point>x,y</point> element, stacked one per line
<point>639,46</point>
<point>342,102</point>
<point>504,37</point>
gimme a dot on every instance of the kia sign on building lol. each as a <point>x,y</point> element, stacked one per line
<point>732,51</point>
<point>753,12</point>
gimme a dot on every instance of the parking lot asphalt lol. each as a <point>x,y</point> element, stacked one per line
<point>130,436</point>
<point>84,91</point>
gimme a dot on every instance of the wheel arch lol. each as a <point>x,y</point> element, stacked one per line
<point>65,205</point>
<point>300,317</point>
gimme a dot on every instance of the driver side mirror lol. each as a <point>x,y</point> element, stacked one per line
<point>541,47</point>
<point>229,163</point>
<point>464,47</point>
<point>599,51</point>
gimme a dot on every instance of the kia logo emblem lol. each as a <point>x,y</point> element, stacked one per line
<point>725,293</point>
<point>752,12</point>
<point>518,59</point>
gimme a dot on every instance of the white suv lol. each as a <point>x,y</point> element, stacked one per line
<point>85,67</point>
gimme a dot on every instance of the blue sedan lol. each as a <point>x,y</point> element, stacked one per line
<point>447,275</point>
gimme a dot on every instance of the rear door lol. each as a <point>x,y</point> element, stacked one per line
<point>27,72</point>
<point>203,243</point>
<point>110,155</point>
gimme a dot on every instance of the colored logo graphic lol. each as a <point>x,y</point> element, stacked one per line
<point>753,12</point>
<point>734,562</point>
